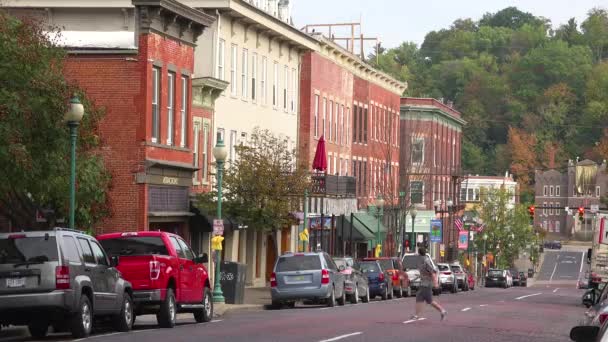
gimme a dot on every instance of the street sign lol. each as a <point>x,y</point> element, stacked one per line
<point>442,252</point>
<point>436,231</point>
<point>218,227</point>
<point>401,193</point>
<point>594,208</point>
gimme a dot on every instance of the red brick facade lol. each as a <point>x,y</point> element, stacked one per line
<point>362,138</point>
<point>152,170</point>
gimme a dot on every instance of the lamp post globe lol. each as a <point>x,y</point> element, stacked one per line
<point>220,152</point>
<point>437,203</point>
<point>73,117</point>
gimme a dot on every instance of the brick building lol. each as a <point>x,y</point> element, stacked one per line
<point>137,62</point>
<point>430,158</point>
<point>581,184</point>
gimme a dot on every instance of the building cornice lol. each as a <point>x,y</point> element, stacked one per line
<point>180,9</point>
<point>411,110</point>
<point>360,68</point>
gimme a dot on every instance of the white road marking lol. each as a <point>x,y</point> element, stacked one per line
<point>96,336</point>
<point>341,337</point>
<point>414,320</point>
<point>555,290</point>
<point>483,304</point>
<point>554,269</point>
<point>143,330</point>
<point>530,295</point>
<point>466,309</point>
<point>216,320</point>
<point>582,262</point>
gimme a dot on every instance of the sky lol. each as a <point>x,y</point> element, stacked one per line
<point>395,21</point>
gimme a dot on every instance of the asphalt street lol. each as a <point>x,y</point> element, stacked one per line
<point>560,266</point>
<point>540,313</point>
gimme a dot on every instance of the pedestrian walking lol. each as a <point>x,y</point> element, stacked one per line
<point>429,278</point>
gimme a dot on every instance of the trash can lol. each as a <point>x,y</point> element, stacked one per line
<point>530,273</point>
<point>232,279</point>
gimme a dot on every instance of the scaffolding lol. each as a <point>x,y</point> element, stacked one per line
<point>356,35</point>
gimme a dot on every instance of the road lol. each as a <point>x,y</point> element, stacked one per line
<point>562,266</point>
<point>538,313</point>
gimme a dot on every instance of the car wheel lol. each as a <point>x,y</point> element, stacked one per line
<point>276,305</point>
<point>331,301</point>
<point>38,329</point>
<point>168,311</point>
<point>366,297</point>
<point>355,297</point>
<point>82,321</point>
<point>342,299</point>
<point>124,320</point>
<point>206,313</point>
<point>385,293</point>
<point>400,292</point>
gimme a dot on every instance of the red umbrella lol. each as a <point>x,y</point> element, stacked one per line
<point>320,161</point>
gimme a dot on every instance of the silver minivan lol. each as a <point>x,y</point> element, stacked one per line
<point>310,276</point>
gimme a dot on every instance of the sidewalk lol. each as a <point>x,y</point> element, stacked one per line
<point>257,296</point>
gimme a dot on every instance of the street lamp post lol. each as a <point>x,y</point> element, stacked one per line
<point>413,213</point>
<point>220,152</point>
<point>73,117</point>
<point>450,205</point>
<point>379,213</point>
<point>485,253</point>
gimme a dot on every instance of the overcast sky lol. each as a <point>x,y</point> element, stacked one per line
<point>395,21</point>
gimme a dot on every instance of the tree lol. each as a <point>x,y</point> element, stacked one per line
<point>523,157</point>
<point>506,224</point>
<point>262,185</point>
<point>569,33</point>
<point>595,32</point>
<point>34,139</point>
<point>513,18</point>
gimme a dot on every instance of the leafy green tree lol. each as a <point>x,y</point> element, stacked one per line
<point>263,185</point>
<point>506,224</point>
<point>34,139</point>
<point>569,33</point>
<point>512,18</point>
<point>595,32</point>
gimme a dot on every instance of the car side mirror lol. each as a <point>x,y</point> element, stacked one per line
<point>114,261</point>
<point>584,333</point>
<point>202,259</point>
<point>341,268</point>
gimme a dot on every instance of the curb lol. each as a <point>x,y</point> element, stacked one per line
<point>220,310</point>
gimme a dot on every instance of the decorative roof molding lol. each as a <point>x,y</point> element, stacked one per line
<point>171,18</point>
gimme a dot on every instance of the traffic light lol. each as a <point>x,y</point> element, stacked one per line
<point>531,212</point>
<point>581,213</point>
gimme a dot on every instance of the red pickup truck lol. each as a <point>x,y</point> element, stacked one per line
<point>166,276</point>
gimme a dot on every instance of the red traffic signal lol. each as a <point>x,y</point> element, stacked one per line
<point>531,210</point>
<point>581,213</point>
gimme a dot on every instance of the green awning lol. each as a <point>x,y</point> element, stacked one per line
<point>367,225</point>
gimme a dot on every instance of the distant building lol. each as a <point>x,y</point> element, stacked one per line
<point>581,184</point>
<point>472,187</point>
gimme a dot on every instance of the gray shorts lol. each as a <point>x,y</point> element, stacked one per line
<point>424,294</point>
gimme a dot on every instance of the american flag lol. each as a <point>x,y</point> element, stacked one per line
<point>458,223</point>
<point>480,228</point>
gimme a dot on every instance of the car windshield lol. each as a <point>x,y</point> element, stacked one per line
<point>298,263</point>
<point>28,249</point>
<point>443,267</point>
<point>369,267</point>
<point>340,262</point>
<point>410,262</point>
<point>495,273</point>
<point>386,264</point>
<point>455,268</point>
<point>135,245</point>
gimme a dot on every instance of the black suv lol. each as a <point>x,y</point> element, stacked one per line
<point>61,278</point>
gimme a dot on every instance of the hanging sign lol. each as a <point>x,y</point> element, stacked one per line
<point>463,240</point>
<point>436,231</point>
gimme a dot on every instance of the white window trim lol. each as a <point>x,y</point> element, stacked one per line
<point>331,119</point>
<point>598,191</point>
<point>234,50</point>
<point>324,117</point>
<point>558,191</point>
<point>316,115</point>
<point>285,88</point>
<point>545,208</point>
<point>184,111</point>
<point>254,77</point>
<point>551,191</point>
<point>207,139</point>
<point>170,107</point>
<point>294,91</point>
<point>244,74</point>
<point>221,56</point>
<point>545,190</point>
<point>264,84</point>
<point>156,79</point>
<point>411,188</point>
<point>415,140</point>
<point>275,89</point>
<point>196,129</point>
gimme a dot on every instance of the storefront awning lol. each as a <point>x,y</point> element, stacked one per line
<point>366,226</point>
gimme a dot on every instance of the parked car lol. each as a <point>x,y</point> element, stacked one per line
<point>587,333</point>
<point>379,282</point>
<point>553,244</point>
<point>471,281</point>
<point>307,276</point>
<point>355,283</point>
<point>497,278</point>
<point>447,279</point>
<point>594,295</point>
<point>400,279</point>
<point>166,275</point>
<point>516,277</point>
<point>62,278</point>
<point>523,279</point>
<point>461,276</point>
